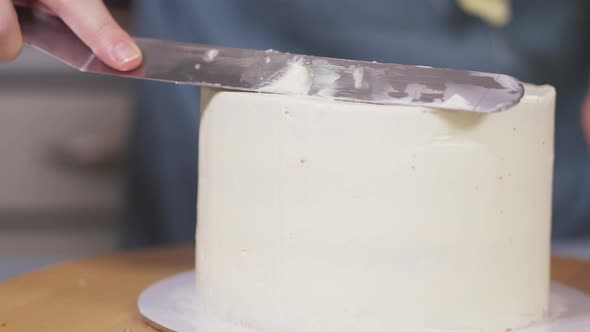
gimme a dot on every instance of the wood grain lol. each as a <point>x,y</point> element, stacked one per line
<point>100,294</point>
<point>94,295</point>
<point>572,273</point>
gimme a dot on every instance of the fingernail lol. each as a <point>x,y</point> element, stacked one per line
<point>126,52</point>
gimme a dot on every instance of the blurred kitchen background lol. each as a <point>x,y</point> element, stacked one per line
<point>62,169</point>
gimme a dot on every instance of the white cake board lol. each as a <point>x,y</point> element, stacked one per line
<point>170,306</point>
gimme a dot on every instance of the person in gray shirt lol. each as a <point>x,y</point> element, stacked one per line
<point>545,42</point>
<point>541,41</point>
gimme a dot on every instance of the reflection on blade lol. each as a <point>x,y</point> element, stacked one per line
<point>283,73</point>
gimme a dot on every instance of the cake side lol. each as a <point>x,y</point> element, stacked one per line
<point>316,215</point>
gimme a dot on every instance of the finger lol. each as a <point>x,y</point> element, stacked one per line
<point>92,22</point>
<point>32,4</point>
<point>11,41</point>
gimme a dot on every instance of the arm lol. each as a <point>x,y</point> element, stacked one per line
<point>89,19</point>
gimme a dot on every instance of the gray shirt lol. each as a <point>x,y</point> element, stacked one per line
<point>547,41</point>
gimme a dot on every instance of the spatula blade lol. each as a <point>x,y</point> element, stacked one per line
<point>284,73</point>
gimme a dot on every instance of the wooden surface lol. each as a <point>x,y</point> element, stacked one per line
<point>100,294</point>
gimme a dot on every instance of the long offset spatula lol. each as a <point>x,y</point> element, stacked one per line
<point>283,73</point>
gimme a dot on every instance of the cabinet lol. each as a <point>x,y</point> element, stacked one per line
<point>62,175</point>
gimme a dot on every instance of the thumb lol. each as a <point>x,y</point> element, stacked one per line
<point>11,41</point>
<point>92,22</point>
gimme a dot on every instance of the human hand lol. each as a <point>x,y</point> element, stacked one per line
<point>90,20</point>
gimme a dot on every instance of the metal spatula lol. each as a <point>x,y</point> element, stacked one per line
<point>268,71</point>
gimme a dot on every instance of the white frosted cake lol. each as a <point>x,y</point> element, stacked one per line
<point>324,216</point>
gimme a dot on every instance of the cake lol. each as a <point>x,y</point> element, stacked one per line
<point>323,216</point>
